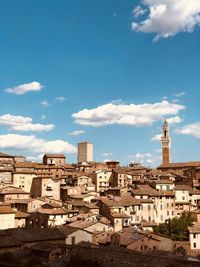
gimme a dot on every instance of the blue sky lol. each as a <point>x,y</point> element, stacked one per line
<point>76,71</point>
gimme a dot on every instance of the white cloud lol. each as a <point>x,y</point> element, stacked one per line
<point>24,88</point>
<point>190,129</point>
<point>60,99</point>
<point>45,103</point>
<point>77,132</point>
<point>122,114</point>
<point>179,94</point>
<point>173,120</point>
<point>168,17</point>
<point>175,101</point>
<point>138,11</point>
<point>156,137</point>
<point>145,158</point>
<point>107,154</point>
<point>32,144</point>
<point>20,123</point>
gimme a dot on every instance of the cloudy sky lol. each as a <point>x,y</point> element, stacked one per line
<point>104,71</point>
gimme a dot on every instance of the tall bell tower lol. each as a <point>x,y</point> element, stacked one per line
<point>165,140</point>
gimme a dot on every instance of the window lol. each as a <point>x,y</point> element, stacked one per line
<point>167,213</point>
<point>183,198</point>
<point>161,207</point>
<point>194,245</point>
<point>149,207</point>
<point>149,218</point>
<point>194,235</point>
<point>161,217</point>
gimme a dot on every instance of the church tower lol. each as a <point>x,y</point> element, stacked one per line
<point>165,140</point>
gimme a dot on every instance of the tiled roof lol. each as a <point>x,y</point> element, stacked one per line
<point>66,230</point>
<point>12,190</point>
<point>180,165</point>
<point>194,229</point>
<point>147,190</point>
<point>55,155</point>
<point>2,155</point>
<point>120,201</point>
<point>30,235</point>
<point>55,211</point>
<point>6,209</point>
<point>24,171</point>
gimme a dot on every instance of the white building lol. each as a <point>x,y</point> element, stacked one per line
<point>194,237</point>
<point>7,217</point>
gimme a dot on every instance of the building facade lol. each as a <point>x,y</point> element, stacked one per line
<point>85,152</point>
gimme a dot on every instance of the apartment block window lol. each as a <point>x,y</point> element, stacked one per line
<point>194,235</point>
<point>149,218</point>
<point>161,207</point>
<point>194,245</point>
<point>149,207</point>
<point>183,198</point>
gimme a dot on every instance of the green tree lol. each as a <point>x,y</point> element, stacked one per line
<point>176,228</point>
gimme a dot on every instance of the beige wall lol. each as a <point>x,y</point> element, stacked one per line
<point>79,235</point>
<point>7,221</point>
<point>23,180</point>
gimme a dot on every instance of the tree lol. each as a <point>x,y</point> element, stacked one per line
<point>180,251</point>
<point>176,228</point>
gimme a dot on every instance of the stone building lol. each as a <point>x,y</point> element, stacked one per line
<point>54,159</point>
<point>85,152</point>
<point>45,187</point>
<point>23,179</point>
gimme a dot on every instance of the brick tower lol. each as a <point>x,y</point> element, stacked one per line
<point>165,140</point>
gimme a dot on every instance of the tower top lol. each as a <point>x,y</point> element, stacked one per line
<point>165,124</point>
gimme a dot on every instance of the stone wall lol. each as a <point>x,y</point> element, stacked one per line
<point>111,257</point>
